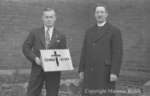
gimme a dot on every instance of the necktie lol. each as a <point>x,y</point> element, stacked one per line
<point>47,37</point>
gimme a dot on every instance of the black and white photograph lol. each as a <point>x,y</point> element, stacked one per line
<point>74,48</point>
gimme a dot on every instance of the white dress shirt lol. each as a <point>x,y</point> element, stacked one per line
<point>50,31</point>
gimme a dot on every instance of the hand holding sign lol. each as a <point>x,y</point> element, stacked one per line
<point>38,61</point>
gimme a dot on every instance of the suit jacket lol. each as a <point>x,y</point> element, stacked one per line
<point>36,41</point>
<point>101,55</point>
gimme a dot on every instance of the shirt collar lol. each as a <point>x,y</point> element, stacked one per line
<point>101,24</point>
<point>46,28</point>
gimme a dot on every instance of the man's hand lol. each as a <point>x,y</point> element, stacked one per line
<point>81,75</point>
<point>113,77</point>
<point>38,61</point>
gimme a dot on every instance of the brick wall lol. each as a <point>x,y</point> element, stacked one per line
<point>131,16</point>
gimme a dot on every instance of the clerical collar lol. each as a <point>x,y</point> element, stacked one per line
<point>101,24</point>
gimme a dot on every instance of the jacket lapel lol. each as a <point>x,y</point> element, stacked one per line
<point>42,36</point>
<point>53,38</point>
<point>100,32</point>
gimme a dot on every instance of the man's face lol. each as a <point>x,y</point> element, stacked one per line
<point>49,18</point>
<point>100,14</point>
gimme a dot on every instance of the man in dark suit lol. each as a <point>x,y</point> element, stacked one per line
<point>101,56</point>
<point>46,37</point>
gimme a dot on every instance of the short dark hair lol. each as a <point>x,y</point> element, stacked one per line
<point>48,9</point>
<point>102,5</point>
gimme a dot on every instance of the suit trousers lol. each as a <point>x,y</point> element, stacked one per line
<point>37,79</point>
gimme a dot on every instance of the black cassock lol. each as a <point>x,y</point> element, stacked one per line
<point>101,55</point>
